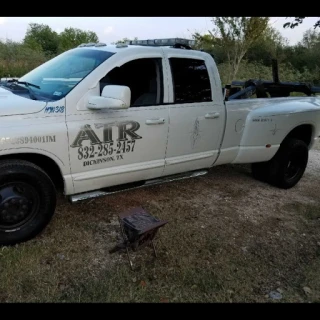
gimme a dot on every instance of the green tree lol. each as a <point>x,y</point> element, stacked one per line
<point>310,48</point>
<point>208,43</point>
<point>72,37</point>
<point>311,39</point>
<point>41,37</point>
<point>269,46</point>
<point>205,42</point>
<point>234,36</point>
<point>305,55</point>
<point>16,59</point>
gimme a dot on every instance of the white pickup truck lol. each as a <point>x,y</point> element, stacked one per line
<point>100,119</point>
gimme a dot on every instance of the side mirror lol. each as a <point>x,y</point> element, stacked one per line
<point>112,97</point>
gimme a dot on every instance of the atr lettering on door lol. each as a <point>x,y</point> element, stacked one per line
<point>101,146</point>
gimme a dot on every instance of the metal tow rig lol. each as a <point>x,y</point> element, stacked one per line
<point>268,88</point>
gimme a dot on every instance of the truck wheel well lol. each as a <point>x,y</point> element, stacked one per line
<point>45,163</point>
<point>302,132</point>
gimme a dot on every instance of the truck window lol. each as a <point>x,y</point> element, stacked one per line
<point>191,82</point>
<point>143,77</point>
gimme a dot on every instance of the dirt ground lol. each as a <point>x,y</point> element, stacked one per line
<point>229,238</point>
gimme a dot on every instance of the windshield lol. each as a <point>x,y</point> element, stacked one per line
<point>54,79</point>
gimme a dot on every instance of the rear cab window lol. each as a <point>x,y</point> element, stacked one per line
<point>191,81</point>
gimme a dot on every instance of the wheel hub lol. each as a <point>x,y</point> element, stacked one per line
<point>14,209</point>
<point>16,204</point>
<point>292,170</point>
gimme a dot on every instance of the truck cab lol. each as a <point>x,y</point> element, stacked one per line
<point>173,92</point>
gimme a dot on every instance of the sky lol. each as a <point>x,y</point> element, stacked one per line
<point>116,28</point>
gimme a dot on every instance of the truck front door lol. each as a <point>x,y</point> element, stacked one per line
<point>112,147</point>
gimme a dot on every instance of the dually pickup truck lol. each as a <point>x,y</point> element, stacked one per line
<point>100,119</point>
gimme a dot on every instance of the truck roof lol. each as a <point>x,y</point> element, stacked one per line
<point>173,45</point>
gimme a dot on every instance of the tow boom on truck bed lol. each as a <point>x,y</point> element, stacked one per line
<point>268,88</point>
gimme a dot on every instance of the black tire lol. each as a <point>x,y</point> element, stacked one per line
<point>27,201</point>
<point>288,165</point>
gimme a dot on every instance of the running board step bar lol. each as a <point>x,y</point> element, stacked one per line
<point>101,193</point>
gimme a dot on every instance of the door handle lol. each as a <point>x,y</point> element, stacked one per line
<point>212,115</point>
<point>155,121</point>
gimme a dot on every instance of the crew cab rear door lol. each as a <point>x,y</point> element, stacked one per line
<point>196,112</point>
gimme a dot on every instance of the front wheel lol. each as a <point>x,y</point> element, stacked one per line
<point>27,201</point>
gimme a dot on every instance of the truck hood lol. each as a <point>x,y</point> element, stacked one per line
<point>12,104</point>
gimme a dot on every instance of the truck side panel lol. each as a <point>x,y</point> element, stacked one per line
<point>253,124</point>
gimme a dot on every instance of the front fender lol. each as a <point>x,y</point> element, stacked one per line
<point>63,167</point>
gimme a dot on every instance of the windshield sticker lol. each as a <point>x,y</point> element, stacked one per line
<point>57,93</point>
<point>58,109</point>
<point>94,150</point>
